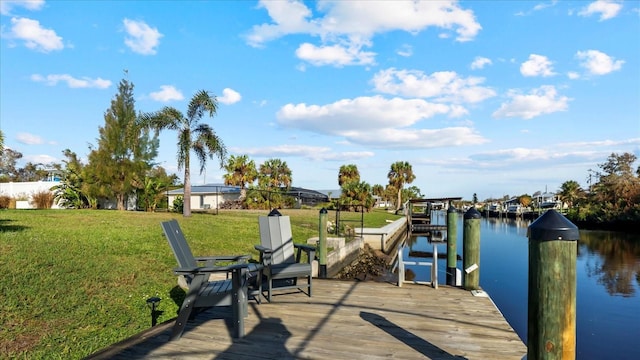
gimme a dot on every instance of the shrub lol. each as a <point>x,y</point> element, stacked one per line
<point>42,199</point>
<point>5,201</point>
<point>178,204</point>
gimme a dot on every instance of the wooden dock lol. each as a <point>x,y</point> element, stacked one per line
<point>343,320</point>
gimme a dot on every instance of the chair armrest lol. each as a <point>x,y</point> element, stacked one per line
<point>213,260</point>
<point>224,257</point>
<point>263,249</point>
<point>309,249</point>
<point>208,270</point>
<point>265,254</point>
<point>305,247</point>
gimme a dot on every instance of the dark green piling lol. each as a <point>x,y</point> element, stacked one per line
<point>452,245</point>
<point>322,244</point>
<point>471,250</point>
<point>553,247</point>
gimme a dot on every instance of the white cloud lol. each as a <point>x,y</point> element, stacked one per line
<point>289,17</point>
<point>29,139</point>
<point>543,100</point>
<point>573,75</point>
<point>480,62</point>
<point>229,96</point>
<point>40,159</point>
<point>598,63</point>
<point>7,5</point>
<point>34,35</point>
<point>167,93</point>
<point>537,65</point>
<point>141,38</point>
<point>344,27</point>
<point>347,115</point>
<point>378,122</point>
<point>315,153</point>
<point>607,9</point>
<point>84,82</point>
<point>417,138</point>
<point>442,86</point>
<point>405,50</point>
<point>336,55</point>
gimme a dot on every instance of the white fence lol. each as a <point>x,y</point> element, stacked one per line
<point>25,190</point>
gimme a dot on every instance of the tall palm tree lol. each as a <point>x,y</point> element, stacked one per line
<point>192,136</point>
<point>240,172</point>
<point>401,173</point>
<point>275,173</point>
<point>348,173</point>
<point>1,141</point>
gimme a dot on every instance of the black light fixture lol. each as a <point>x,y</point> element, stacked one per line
<point>152,303</point>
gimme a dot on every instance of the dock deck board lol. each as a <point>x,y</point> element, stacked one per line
<point>343,320</point>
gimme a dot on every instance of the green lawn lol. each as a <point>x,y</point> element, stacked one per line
<point>76,281</point>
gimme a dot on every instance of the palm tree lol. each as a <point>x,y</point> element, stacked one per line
<point>401,173</point>
<point>570,191</point>
<point>192,136</point>
<point>240,171</point>
<point>274,173</point>
<point>378,190</point>
<point>1,141</point>
<point>348,173</point>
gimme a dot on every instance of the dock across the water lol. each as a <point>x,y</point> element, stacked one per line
<point>343,320</point>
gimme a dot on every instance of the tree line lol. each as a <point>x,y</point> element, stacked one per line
<point>612,198</point>
<point>121,165</point>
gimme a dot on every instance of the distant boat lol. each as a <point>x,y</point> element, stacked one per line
<point>494,210</point>
<point>494,207</point>
<point>514,209</point>
<point>550,205</point>
<point>548,201</point>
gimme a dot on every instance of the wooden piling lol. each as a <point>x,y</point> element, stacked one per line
<point>452,246</point>
<point>322,244</point>
<point>551,329</point>
<point>471,249</point>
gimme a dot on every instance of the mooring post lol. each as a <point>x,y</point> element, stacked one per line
<point>553,247</point>
<point>322,244</point>
<point>452,245</point>
<point>471,249</point>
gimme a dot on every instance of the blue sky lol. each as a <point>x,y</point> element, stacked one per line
<point>488,97</point>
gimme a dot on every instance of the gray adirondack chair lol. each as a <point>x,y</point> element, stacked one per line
<point>281,258</point>
<point>203,293</point>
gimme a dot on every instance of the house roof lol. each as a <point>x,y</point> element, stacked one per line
<point>208,189</point>
<point>302,192</point>
<point>335,194</point>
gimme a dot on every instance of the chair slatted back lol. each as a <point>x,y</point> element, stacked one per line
<point>275,234</point>
<point>178,244</point>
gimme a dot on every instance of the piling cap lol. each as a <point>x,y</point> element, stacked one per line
<point>472,214</point>
<point>552,226</point>
<point>275,212</point>
<point>323,211</point>
<point>451,209</point>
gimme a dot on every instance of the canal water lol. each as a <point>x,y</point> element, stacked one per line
<point>608,282</point>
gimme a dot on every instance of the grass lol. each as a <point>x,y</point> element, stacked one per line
<point>76,281</point>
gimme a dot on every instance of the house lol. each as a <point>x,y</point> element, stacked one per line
<point>212,196</point>
<point>547,200</point>
<point>307,197</point>
<point>208,196</point>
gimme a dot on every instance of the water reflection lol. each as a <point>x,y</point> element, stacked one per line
<point>608,283</point>
<point>613,259</point>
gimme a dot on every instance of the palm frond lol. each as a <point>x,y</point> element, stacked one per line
<point>200,103</point>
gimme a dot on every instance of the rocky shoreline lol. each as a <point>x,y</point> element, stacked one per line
<point>371,265</point>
